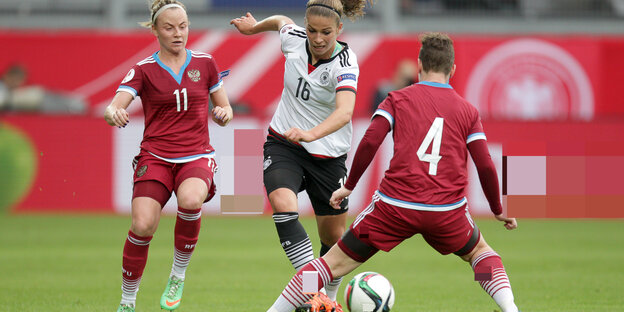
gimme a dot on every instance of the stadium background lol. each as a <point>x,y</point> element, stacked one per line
<point>545,75</point>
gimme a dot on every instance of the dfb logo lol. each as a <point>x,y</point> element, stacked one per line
<point>530,79</point>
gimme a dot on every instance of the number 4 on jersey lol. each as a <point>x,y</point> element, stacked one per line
<point>433,135</point>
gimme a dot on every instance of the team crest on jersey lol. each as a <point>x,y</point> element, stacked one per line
<point>129,76</point>
<point>193,74</point>
<point>325,78</point>
<point>141,171</point>
<point>267,163</point>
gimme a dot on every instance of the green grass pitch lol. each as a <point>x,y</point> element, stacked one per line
<point>73,263</point>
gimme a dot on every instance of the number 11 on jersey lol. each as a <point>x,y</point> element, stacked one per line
<point>433,135</point>
<point>177,94</point>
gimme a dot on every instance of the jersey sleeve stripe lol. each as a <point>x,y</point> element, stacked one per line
<point>147,60</point>
<point>299,32</point>
<point>346,88</point>
<point>216,86</point>
<point>298,35</point>
<point>476,136</point>
<point>203,56</point>
<point>128,89</point>
<point>200,54</point>
<point>386,115</point>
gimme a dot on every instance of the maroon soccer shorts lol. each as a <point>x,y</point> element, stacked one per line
<point>383,226</point>
<point>170,175</point>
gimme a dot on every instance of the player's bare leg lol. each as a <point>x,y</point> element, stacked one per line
<point>292,235</point>
<point>484,259</point>
<point>191,195</point>
<point>330,229</point>
<point>145,218</point>
<point>335,263</point>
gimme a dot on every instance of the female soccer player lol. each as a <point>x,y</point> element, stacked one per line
<point>310,132</point>
<point>423,190</point>
<point>174,85</point>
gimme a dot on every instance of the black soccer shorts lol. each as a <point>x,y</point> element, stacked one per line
<point>290,166</point>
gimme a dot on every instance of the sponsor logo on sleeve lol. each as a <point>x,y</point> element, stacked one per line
<point>286,28</point>
<point>346,76</point>
<point>224,73</point>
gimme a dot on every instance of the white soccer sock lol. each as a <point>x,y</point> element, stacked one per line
<point>505,300</point>
<point>498,287</point>
<point>129,290</point>
<point>281,305</point>
<point>181,261</point>
<point>332,288</point>
<point>186,234</point>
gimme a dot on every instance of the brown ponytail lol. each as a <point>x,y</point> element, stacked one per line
<point>338,8</point>
<point>355,8</point>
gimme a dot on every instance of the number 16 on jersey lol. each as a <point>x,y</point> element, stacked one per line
<point>433,135</point>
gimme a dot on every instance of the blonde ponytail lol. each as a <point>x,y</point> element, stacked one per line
<point>155,6</point>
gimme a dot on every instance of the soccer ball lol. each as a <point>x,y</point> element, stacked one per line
<point>369,292</point>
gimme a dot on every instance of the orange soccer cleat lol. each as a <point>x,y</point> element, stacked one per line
<point>320,303</point>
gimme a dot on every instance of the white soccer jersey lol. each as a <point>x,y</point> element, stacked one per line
<point>309,94</point>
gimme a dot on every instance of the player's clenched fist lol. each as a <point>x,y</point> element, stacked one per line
<point>117,117</point>
<point>222,115</point>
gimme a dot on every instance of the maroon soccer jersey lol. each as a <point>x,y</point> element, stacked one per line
<point>431,126</point>
<point>175,105</point>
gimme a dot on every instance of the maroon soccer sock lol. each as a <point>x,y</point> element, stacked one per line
<point>293,293</point>
<point>186,234</point>
<point>133,263</point>
<point>491,275</point>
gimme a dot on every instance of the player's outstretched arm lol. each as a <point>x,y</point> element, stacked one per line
<point>248,25</point>
<point>222,112</point>
<point>489,180</point>
<point>338,196</point>
<point>115,113</point>
<point>372,139</point>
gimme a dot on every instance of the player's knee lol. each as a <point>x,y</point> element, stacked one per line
<point>330,236</point>
<point>190,201</point>
<point>283,200</point>
<point>190,198</point>
<point>144,226</point>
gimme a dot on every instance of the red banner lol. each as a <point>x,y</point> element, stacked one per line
<point>539,96</point>
<point>72,161</point>
<point>507,77</point>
